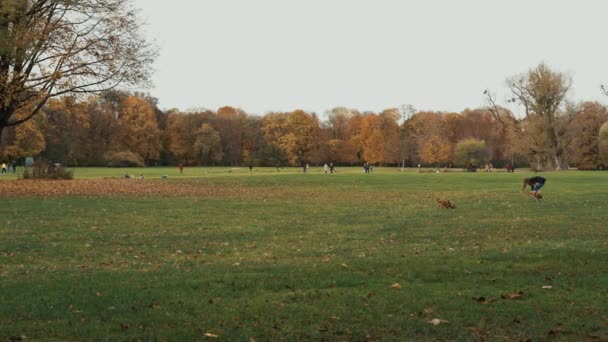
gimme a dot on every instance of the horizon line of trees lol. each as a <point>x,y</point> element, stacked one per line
<point>134,132</point>
<point>120,129</point>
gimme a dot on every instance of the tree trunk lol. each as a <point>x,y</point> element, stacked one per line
<point>558,166</point>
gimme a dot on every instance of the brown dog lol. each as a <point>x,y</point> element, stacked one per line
<point>536,195</point>
<point>445,203</point>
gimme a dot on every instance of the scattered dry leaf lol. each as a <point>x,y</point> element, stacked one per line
<point>211,335</point>
<point>483,300</point>
<point>547,287</point>
<point>514,295</point>
<point>396,286</point>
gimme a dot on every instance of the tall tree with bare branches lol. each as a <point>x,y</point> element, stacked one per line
<point>542,92</point>
<point>50,48</point>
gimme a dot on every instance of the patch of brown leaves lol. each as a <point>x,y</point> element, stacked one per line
<point>116,187</point>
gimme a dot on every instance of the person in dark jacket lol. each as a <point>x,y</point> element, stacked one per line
<point>535,184</point>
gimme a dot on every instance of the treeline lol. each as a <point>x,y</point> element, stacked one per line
<point>119,129</point>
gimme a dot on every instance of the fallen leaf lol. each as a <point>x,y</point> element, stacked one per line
<point>396,286</point>
<point>479,299</point>
<point>437,321</point>
<point>482,300</point>
<point>211,335</point>
<point>547,287</point>
<point>514,295</point>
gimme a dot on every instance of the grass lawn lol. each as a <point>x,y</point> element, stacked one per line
<point>220,254</point>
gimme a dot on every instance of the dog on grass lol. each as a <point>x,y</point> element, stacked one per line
<point>445,203</point>
<point>536,195</point>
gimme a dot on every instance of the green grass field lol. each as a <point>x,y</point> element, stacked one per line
<point>285,256</point>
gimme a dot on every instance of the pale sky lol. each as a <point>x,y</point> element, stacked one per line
<point>281,55</point>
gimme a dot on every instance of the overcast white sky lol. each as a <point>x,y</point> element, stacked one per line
<point>280,55</point>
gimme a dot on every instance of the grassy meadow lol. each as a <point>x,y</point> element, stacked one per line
<point>224,255</point>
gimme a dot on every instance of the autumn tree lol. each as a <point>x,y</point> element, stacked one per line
<point>66,127</point>
<point>341,146</point>
<point>59,47</point>
<point>422,127</point>
<point>139,131</point>
<point>25,140</point>
<point>296,133</point>
<point>103,130</point>
<point>407,111</point>
<point>182,133</point>
<point>230,124</point>
<point>470,151</point>
<point>372,139</point>
<point>337,120</point>
<point>275,128</point>
<point>436,150</point>
<point>389,125</point>
<point>580,134</point>
<point>542,92</point>
<point>354,135</point>
<point>208,145</point>
<point>253,143</point>
<point>303,137</point>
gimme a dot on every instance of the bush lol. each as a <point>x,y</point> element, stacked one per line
<point>588,167</point>
<point>43,169</point>
<point>124,159</point>
<point>470,152</point>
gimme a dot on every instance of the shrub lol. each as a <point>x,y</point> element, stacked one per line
<point>124,159</point>
<point>470,152</point>
<point>43,169</point>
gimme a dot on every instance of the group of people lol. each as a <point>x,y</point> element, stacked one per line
<point>329,168</point>
<point>368,167</point>
<point>6,168</point>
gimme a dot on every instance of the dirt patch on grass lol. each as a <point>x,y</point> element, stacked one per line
<point>116,187</point>
<point>191,189</point>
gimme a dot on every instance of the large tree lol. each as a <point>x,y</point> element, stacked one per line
<point>50,48</point>
<point>208,145</point>
<point>542,92</point>
<point>139,131</point>
<point>470,151</point>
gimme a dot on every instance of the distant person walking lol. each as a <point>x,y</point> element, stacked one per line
<point>181,168</point>
<point>366,166</point>
<point>326,168</point>
<point>250,169</point>
<point>3,167</point>
<point>332,169</point>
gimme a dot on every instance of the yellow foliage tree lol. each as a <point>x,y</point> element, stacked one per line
<point>140,132</point>
<point>436,150</point>
<point>372,139</point>
<point>27,141</point>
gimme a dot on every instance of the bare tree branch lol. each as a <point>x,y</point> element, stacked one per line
<point>50,48</point>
